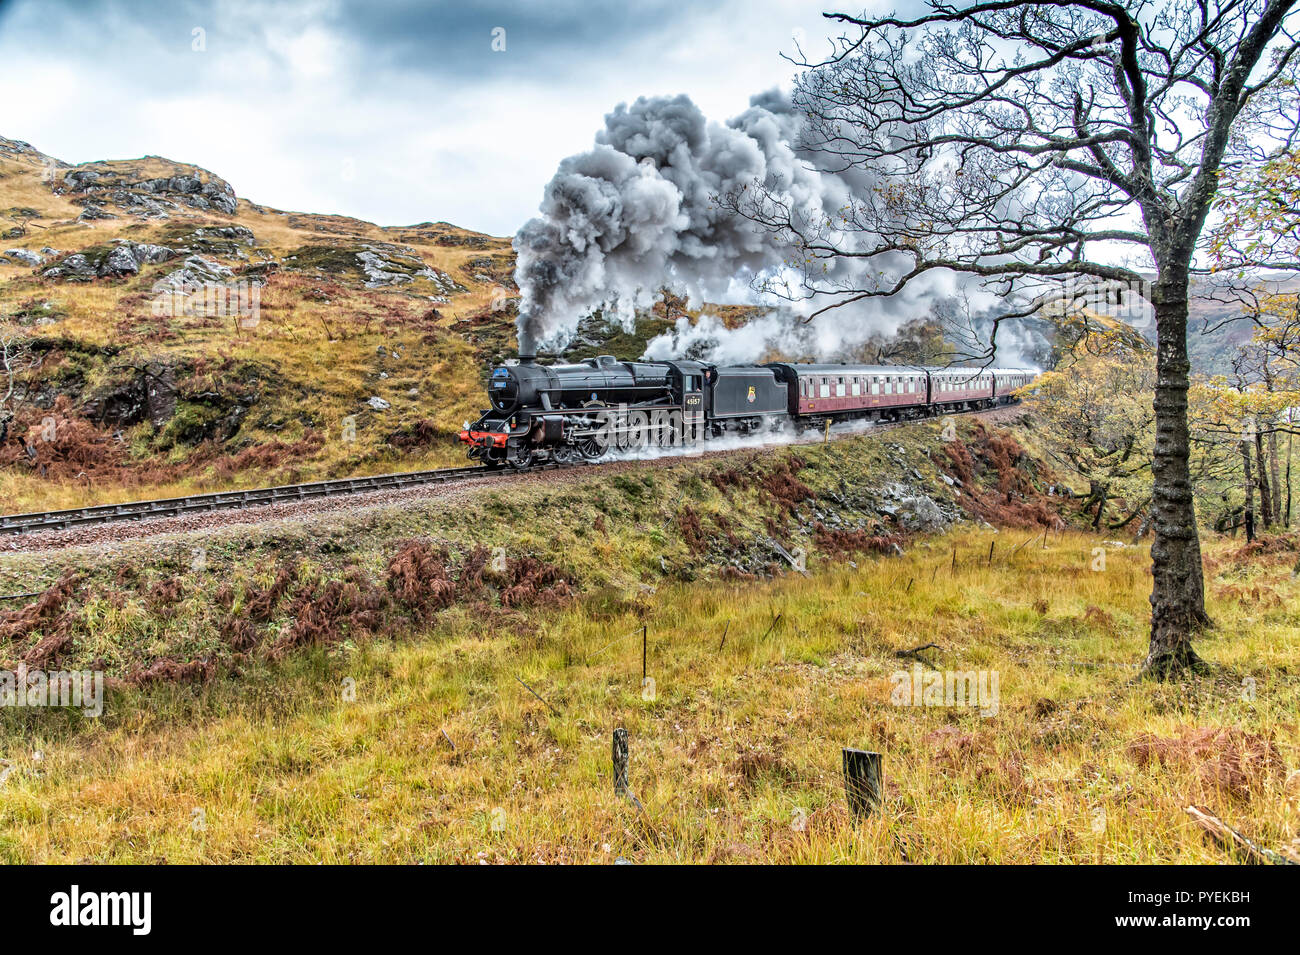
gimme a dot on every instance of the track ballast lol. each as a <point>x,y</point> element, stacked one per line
<point>34,521</point>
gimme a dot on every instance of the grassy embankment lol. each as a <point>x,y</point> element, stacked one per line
<point>758,683</point>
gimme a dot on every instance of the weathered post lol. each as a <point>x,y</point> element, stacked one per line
<point>862,781</point>
<point>620,762</point>
<point>620,767</point>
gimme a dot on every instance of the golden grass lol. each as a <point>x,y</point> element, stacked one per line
<point>736,758</point>
<point>323,354</point>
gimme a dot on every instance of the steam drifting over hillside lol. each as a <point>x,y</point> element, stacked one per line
<point>641,211</point>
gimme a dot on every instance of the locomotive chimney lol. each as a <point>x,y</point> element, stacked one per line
<point>527,348</point>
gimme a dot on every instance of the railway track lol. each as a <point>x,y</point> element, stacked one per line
<point>17,524</point>
<point>230,500</point>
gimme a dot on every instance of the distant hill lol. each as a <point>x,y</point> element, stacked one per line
<point>1215,329</point>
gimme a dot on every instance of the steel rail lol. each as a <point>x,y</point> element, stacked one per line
<point>256,497</point>
<point>228,500</point>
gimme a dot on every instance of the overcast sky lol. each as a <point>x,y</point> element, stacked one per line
<point>396,112</point>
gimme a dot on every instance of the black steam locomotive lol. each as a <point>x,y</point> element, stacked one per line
<point>584,410</point>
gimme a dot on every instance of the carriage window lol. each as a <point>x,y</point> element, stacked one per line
<point>857,386</point>
<point>825,388</point>
<point>839,388</point>
<point>875,386</point>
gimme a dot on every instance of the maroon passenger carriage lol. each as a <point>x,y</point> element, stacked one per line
<point>837,392</point>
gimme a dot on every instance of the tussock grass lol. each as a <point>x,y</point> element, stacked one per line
<point>736,756</point>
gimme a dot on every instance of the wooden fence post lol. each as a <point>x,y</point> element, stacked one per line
<point>620,767</point>
<point>862,781</point>
<point>620,762</point>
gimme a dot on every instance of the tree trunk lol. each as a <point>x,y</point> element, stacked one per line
<point>1178,586</point>
<point>1261,478</point>
<point>1250,491</point>
<point>1290,450</point>
<point>1274,476</point>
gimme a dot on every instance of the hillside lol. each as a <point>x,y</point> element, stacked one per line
<point>340,346</point>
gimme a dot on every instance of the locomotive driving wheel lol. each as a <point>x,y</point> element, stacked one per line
<point>521,460</point>
<point>590,448</point>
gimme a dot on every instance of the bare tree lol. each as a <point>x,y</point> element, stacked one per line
<point>16,358</point>
<point>1040,143</point>
<point>23,218</point>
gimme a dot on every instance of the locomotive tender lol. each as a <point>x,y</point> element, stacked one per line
<point>580,411</point>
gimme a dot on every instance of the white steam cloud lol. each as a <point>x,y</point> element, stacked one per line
<point>639,212</point>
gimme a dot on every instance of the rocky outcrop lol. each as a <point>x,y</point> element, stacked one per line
<point>16,147</point>
<point>145,394</point>
<point>376,264</point>
<point>222,240</point>
<point>92,212</point>
<point>913,510</point>
<point>100,184</point>
<point>112,261</point>
<point>24,257</point>
<point>386,265</point>
<point>195,272</point>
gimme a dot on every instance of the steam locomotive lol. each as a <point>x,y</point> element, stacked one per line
<point>582,411</point>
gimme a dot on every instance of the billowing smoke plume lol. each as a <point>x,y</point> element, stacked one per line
<point>639,212</point>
